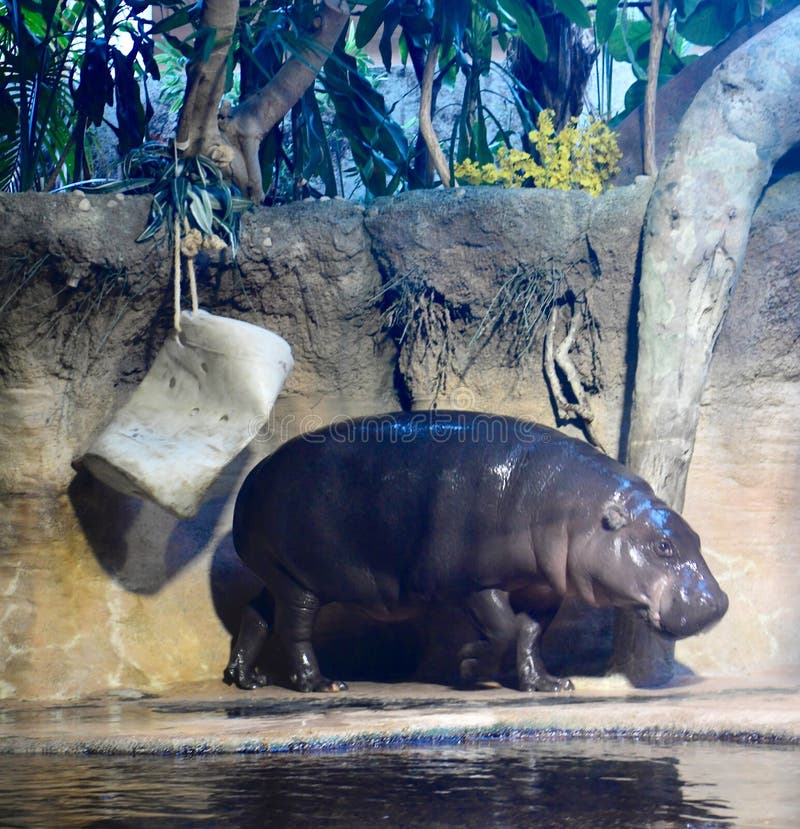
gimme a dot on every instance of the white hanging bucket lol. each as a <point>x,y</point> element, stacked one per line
<point>195,410</point>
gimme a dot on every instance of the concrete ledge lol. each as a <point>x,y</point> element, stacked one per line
<point>211,718</point>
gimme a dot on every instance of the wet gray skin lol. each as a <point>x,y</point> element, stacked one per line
<point>498,516</point>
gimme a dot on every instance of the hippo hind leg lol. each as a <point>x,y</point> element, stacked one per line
<point>242,669</point>
<point>295,612</point>
<point>506,634</point>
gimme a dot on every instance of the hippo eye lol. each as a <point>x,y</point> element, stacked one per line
<point>665,549</point>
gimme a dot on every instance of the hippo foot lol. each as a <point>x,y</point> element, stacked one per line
<point>320,685</point>
<point>478,661</point>
<point>548,684</point>
<point>243,676</point>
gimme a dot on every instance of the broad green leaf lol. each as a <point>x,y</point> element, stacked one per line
<point>267,154</point>
<point>711,21</point>
<point>686,7</point>
<point>605,19</point>
<point>319,161</point>
<point>575,11</point>
<point>369,22</point>
<point>390,22</point>
<point>625,40</point>
<point>131,117</point>
<point>204,43</point>
<point>634,97</point>
<point>528,25</point>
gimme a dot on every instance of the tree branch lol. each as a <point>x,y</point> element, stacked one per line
<point>660,13</point>
<point>231,137</point>
<point>425,124</point>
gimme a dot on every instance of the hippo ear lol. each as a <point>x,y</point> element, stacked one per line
<point>615,516</point>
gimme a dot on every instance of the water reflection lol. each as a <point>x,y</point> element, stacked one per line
<point>527,784</point>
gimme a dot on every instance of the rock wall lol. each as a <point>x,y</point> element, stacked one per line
<point>416,300</point>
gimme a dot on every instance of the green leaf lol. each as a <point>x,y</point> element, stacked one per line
<point>173,21</point>
<point>131,117</point>
<point>710,22</point>
<point>239,204</point>
<point>685,7</point>
<point>528,25</point>
<point>9,114</point>
<point>605,19</point>
<point>453,18</point>
<point>625,40</point>
<point>483,153</point>
<point>575,11</point>
<point>634,97</point>
<point>376,141</point>
<point>205,41</point>
<point>385,46</point>
<point>369,22</point>
<point>402,49</point>
<point>110,185</point>
<point>182,46</point>
<point>200,209</point>
<point>319,161</point>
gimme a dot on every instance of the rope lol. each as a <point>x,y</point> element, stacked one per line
<point>190,271</point>
<point>176,244</point>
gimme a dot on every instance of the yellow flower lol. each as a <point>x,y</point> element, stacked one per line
<point>577,158</point>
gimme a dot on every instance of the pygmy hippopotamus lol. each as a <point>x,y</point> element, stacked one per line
<point>499,516</point>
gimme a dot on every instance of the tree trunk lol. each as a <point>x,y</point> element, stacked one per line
<point>558,83</point>
<point>231,137</point>
<point>741,122</point>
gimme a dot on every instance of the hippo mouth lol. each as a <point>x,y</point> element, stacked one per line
<point>650,606</point>
<point>653,618</point>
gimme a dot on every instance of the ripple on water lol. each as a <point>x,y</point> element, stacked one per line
<point>523,783</point>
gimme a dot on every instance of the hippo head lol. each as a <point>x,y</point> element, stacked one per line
<point>643,555</point>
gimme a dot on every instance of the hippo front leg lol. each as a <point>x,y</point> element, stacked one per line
<point>533,675</point>
<point>504,632</point>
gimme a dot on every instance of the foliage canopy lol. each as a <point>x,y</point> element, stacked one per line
<point>68,66</point>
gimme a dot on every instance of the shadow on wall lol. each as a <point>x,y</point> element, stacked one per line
<point>233,586</point>
<point>138,544</point>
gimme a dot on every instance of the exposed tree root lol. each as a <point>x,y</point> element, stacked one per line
<point>422,324</point>
<point>558,357</point>
<point>523,301</point>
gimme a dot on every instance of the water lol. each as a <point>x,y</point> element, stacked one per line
<point>520,783</point>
